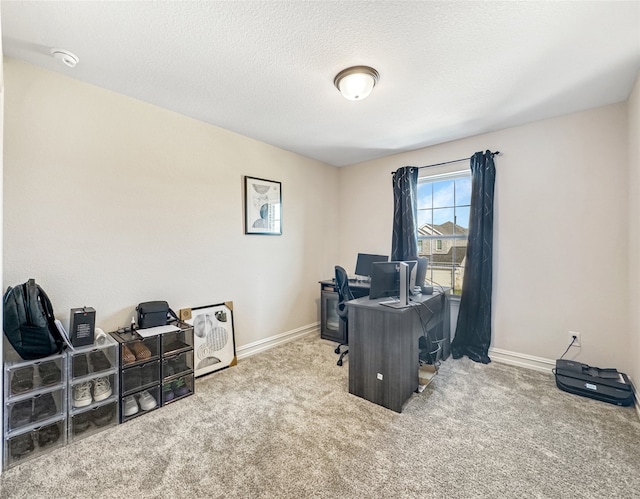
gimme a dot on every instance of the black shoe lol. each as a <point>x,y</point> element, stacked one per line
<point>48,435</point>
<point>102,416</point>
<point>49,373</point>
<point>80,367</point>
<point>21,445</point>
<point>44,407</point>
<point>81,422</point>
<point>21,414</point>
<point>22,380</point>
<point>131,379</point>
<point>99,361</point>
<point>149,373</point>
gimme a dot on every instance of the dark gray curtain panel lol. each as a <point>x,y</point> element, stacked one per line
<point>473,331</point>
<point>404,240</point>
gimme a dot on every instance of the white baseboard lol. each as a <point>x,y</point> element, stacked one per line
<point>265,344</point>
<point>521,360</point>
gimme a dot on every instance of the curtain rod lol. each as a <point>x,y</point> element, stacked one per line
<point>449,162</point>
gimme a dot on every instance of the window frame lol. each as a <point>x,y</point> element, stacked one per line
<point>454,238</point>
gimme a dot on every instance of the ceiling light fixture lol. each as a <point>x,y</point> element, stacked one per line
<point>357,82</point>
<point>65,57</point>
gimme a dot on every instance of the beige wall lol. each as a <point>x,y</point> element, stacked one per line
<point>559,181</point>
<point>110,201</point>
<point>634,230</point>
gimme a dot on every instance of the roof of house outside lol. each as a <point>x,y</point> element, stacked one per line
<point>448,258</point>
<point>445,229</point>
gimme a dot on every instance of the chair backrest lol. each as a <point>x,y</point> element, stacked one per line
<point>344,292</point>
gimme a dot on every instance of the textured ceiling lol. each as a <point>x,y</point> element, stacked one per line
<point>265,69</point>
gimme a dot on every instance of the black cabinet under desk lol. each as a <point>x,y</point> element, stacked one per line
<point>384,346</point>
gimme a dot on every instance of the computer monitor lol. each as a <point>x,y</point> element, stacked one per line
<point>364,261</point>
<point>385,279</point>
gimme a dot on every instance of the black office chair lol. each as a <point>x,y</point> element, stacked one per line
<point>344,295</point>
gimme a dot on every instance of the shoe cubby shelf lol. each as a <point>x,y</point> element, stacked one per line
<point>35,407</point>
<point>153,366</point>
<point>94,387</point>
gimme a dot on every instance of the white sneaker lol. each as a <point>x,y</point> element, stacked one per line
<point>82,394</point>
<point>130,406</point>
<point>147,402</point>
<point>101,389</point>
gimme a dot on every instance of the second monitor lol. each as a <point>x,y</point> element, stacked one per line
<point>364,262</point>
<point>386,281</point>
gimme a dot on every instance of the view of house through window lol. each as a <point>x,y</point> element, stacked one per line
<point>443,225</point>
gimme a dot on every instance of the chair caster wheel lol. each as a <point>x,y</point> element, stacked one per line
<point>339,362</point>
<point>337,350</point>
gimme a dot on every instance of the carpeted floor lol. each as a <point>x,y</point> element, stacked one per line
<point>282,424</point>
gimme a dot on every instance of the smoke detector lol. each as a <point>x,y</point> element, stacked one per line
<point>65,57</point>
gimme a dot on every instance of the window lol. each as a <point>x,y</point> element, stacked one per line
<point>443,226</point>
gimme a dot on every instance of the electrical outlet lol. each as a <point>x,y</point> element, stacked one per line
<point>577,341</point>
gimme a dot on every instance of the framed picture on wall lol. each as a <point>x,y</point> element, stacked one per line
<point>214,344</point>
<point>262,206</point>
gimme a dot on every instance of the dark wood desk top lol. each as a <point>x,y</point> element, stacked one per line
<point>352,284</point>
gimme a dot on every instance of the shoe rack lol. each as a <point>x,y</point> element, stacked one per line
<point>93,388</point>
<point>177,363</point>
<point>139,360</point>
<point>35,407</point>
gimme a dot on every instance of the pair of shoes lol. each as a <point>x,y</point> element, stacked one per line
<point>21,445</point>
<point>173,366</point>
<point>49,373</point>
<point>100,416</point>
<point>99,361</point>
<point>22,380</point>
<point>83,396</point>
<point>127,356</point>
<point>131,379</point>
<point>175,389</point>
<point>140,350</point>
<point>145,399</point>
<point>48,435</point>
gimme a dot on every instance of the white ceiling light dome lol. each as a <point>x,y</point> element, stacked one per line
<point>357,82</point>
<point>65,57</point>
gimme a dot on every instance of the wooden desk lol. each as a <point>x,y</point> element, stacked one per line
<point>383,346</point>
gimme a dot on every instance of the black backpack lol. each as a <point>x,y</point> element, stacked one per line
<point>28,322</point>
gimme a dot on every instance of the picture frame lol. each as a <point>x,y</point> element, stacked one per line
<point>214,344</point>
<point>262,206</point>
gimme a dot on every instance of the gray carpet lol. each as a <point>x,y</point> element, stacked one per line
<point>282,424</point>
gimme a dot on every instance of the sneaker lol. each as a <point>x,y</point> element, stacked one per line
<point>44,406</point>
<point>99,361</point>
<point>149,373</point>
<point>180,388</point>
<point>101,389</point>
<point>167,392</point>
<point>102,416</point>
<point>48,435</point>
<point>20,414</point>
<point>127,356</point>
<point>131,379</point>
<point>80,367</point>
<point>146,400</point>
<point>140,350</point>
<point>82,394</point>
<point>49,373</point>
<point>21,445</point>
<point>81,422</point>
<point>130,406</point>
<point>22,380</point>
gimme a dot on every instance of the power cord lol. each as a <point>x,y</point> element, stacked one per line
<point>573,340</point>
